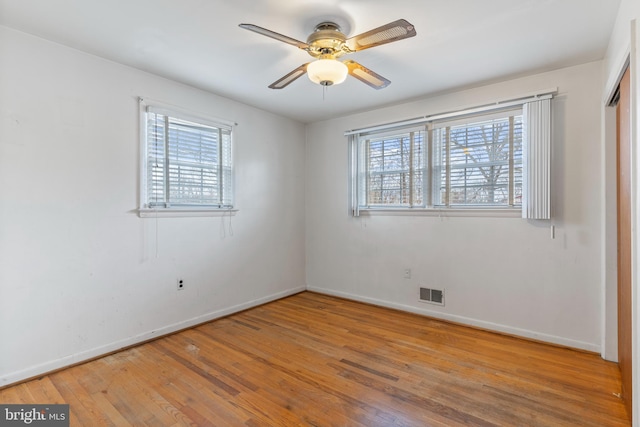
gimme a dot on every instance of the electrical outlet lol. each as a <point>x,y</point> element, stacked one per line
<point>407,273</point>
<point>180,284</point>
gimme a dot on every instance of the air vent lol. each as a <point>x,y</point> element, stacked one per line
<point>433,296</point>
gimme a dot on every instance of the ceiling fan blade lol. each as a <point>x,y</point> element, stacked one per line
<point>274,35</point>
<point>289,78</point>
<point>367,76</point>
<point>391,32</point>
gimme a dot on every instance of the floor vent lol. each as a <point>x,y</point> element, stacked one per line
<point>434,296</point>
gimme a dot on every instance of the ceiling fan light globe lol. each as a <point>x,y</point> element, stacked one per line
<point>327,72</point>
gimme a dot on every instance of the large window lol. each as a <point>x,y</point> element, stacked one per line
<point>495,157</point>
<point>476,161</point>
<point>187,162</point>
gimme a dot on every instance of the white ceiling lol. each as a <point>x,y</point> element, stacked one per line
<point>459,43</point>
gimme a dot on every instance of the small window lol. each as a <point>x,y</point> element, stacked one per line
<point>479,162</point>
<point>187,162</point>
<point>394,169</point>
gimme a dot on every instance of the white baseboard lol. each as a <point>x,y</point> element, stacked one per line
<point>44,368</point>
<point>552,339</point>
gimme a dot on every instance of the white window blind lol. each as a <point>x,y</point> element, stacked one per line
<point>188,162</point>
<point>537,153</point>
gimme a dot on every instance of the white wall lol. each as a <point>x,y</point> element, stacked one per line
<point>80,273</point>
<point>502,273</point>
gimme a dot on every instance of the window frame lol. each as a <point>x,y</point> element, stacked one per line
<point>365,147</point>
<point>145,208</point>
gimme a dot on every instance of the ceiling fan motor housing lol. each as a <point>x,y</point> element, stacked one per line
<point>327,41</point>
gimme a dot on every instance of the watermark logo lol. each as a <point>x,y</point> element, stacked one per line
<point>34,415</point>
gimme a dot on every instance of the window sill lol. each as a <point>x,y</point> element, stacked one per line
<point>185,212</point>
<point>449,212</point>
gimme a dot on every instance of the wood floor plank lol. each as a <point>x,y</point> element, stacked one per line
<point>317,360</point>
<point>186,390</point>
<point>83,410</point>
<point>110,412</point>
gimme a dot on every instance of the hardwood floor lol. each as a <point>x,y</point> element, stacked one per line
<point>315,360</point>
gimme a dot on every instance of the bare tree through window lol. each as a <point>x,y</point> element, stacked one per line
<point>482,163</point>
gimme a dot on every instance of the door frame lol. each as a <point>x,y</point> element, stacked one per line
<point>609,261</point>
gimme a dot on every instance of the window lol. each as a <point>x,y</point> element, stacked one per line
<point>395,169</point>
<point>479,162</point>
<point>473,162</point>
<point>480,158</point>
<point>187,162</point>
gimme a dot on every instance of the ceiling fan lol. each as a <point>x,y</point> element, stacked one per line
<point>327,43</point>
